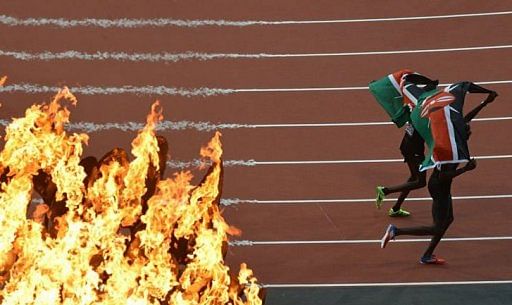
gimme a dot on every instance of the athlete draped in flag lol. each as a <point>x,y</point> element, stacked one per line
<point>441,124</point>
<point>405,82</point>
<point>412,146</point>
<point>439,120</point>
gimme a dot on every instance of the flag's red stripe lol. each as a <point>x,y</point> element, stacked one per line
<point>442,144</point>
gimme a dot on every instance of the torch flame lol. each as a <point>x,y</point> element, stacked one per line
<point>115,232</point>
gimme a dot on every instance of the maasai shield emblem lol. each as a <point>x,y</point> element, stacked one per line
<point>439,120</point>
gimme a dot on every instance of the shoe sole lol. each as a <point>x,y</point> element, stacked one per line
<point>379,199</point>
<point>436,262</point>
<point>386,238</point>
<point>399,215</point>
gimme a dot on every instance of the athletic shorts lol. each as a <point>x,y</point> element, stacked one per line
<point>412,146</point>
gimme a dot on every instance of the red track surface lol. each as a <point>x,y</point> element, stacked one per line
<point>342,263</point>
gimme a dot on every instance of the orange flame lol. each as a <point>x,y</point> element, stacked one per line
<point>118,240</point>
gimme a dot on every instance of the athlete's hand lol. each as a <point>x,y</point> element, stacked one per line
<point>491,97</point>
<point>471,165</point>
<point>468,131</point>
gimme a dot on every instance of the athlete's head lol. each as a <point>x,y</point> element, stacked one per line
<point>431,86</point>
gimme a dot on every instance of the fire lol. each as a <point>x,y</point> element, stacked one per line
<point>110,231</point>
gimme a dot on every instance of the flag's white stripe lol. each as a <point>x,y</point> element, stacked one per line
<point>451,133</point>
<point>325,285</point>
<point>166,22</point>
<point>395,84</point>
<point>164,90</point>
<point>232,201</point>
<point>410,95</point>
<point>359,241</point>
<point>174,57</point>
<point>91,127</point>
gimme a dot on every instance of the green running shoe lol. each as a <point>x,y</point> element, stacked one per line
<point>399,213</point>
<point>380,196</point>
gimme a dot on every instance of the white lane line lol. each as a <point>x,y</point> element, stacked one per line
<point>91,127</point>
<point>301,89</point>
<point>234,201</point>
<point>296,162</point>
<point>349,124</point>
<point>244,243</point>
<point>497,82</point>
<point>173,91</point>
<point>137,90</point>
<point>166,22</point>
<point>197,163</point>
<point>175,57</point>
<point>325,285</point>
<point>251,162</point>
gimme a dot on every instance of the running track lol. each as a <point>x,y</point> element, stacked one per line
<point>315,73</point>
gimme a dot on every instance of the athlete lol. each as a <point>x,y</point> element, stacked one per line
<point>445,158</point>
<point>412,146</point>
<point>439,187</point>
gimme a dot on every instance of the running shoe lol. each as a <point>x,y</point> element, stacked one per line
<point>380,196</point>
<point>389,235</point>
<point>432,260</point>
<point>399,213</point>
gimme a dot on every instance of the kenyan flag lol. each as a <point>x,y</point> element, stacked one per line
<point>388,94</point>
<point>440,121</point>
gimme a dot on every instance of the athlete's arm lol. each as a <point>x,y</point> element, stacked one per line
<point>448,173</point>
<point>474,88</point>
<point>490,98</point>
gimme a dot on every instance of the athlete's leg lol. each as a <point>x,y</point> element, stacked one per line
<point>442,220</point>
<point>416,180</point>
<point>424,230</point>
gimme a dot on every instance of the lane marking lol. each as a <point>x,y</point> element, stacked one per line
<point>234,201</point>
<point>176,164</point>
<point>173,91</point>
<point>244,243</point>
<point>348,124</point>
<point>175,57</point>
<point>324,285</point>
<point>499,82</point>
<point>91,127</point>
<point>296,162</point>
<point>126,89</point>
<point>169,22</point>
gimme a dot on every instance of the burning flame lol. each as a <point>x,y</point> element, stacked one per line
<point>110,231</point>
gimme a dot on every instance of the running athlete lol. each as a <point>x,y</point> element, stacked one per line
<point>439,187</point>
<point>444,112</point>
<point>412,146</point>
